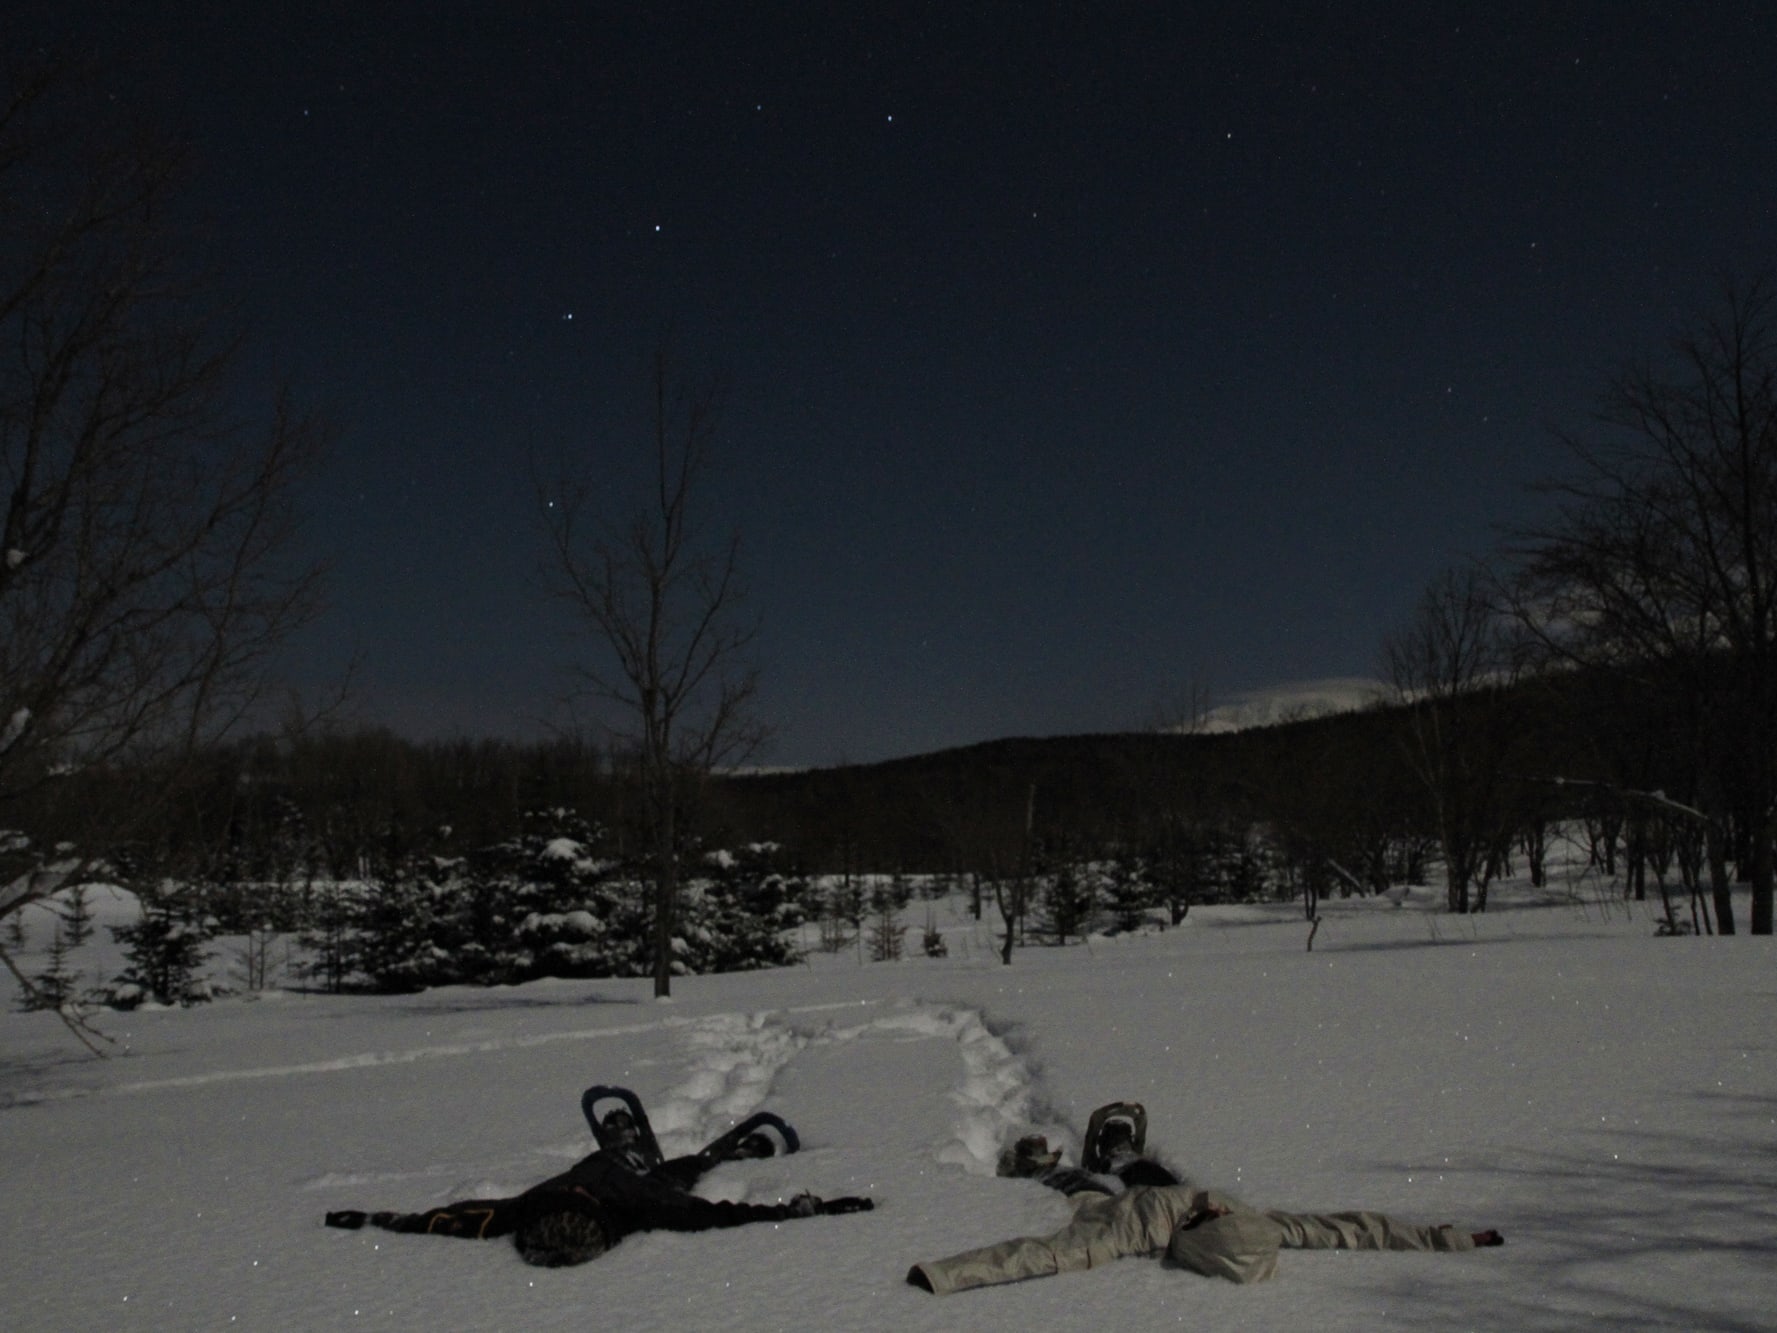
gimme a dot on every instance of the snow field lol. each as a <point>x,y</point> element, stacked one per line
<point>1606,1098</point>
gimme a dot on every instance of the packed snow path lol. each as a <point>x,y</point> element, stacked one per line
<point>806,1062</point>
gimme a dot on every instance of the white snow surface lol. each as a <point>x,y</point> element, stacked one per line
<point>1606,1098</point>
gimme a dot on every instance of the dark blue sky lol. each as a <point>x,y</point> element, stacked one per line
<point>1080,353</point>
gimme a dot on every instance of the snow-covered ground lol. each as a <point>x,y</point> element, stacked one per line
<point>1606,1098</point>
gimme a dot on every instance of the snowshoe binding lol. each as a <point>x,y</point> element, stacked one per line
<point>621,1130</point>
<point>1029,1158</point>
<point>1117,1132</point>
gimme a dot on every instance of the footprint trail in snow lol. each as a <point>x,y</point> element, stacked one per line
<point>924,1084</point>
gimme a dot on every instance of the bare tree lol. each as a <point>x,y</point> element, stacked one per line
<point>1449,665</point>
<point>1660,570</point>
<point>661,601</point>
<point>146,574</point>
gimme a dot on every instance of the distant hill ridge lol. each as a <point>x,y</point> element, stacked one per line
<point>1298,701</point>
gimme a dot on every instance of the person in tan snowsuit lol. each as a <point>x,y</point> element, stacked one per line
<point>1205,1231</point>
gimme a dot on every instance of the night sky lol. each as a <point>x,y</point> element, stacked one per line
<point>1082,355</point>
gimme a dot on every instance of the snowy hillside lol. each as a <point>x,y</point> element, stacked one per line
<point>1295,702</point>
<point>1604,1097</point>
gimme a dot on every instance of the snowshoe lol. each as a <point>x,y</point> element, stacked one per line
<point>1118,1130</point>
<point>761,1134</point>
<point>623,1130</point>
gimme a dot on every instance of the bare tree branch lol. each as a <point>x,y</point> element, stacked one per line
<point>660,603</point>
<point>1660,567</point>
<point>145,525</point>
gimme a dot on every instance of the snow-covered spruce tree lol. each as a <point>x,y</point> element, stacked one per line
<point>887,932</point>
<point>1126,890</point>
<point>330,941</point>
<point>739,910</point>
<point>478,921</point>
<point>1239,869</point>
<point>577,910</point>
<point>405,927</point>
<point>1065,894</point>
<point>165,953</point>
<point>842,913</point>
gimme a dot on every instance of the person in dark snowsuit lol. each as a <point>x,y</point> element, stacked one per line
<point>608,1194</point>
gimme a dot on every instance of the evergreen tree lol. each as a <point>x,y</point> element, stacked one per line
<point>573,907</point>
<point>739,912</point>
<point>165,952</point>
<point>886,930</point>
<point>330,939</point>
<point>55,986</point>
<point>1126,890</point>
<point>1065,895</point>
<point>406,940</point>
<point>77,916</point>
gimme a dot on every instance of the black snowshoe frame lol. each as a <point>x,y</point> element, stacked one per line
<point>724,1147</point>
<point>1092,1156</point>
<point>646,1145</point>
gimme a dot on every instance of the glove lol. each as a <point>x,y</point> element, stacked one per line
<point>848,1203</point>
<point>348,1219</point>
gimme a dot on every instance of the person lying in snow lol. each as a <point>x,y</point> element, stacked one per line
<point>1205,1231</point>
<point>621,1187</point>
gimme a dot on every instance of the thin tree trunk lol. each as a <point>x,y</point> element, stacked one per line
<point>666,893</point>
<point>1721,888</point>
<point>1761,881</point>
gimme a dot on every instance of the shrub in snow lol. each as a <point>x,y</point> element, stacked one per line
<point>931,940</point>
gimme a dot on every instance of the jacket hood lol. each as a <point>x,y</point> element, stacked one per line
<point>1240,1246</point>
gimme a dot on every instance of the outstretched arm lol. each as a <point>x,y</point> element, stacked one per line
<point>687,1212</point>
<point>1373,1231</point>
<point>471,1219</point>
